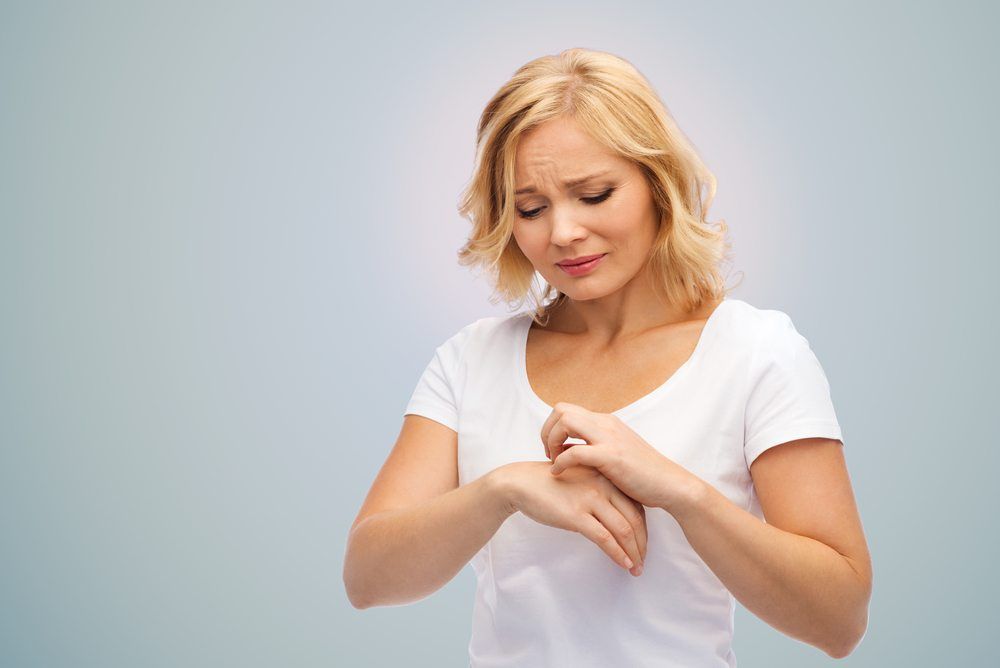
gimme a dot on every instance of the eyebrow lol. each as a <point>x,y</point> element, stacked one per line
<point>569,184</point>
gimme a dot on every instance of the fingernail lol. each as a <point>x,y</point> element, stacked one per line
<point>638,571</point>
<point>628,562</point>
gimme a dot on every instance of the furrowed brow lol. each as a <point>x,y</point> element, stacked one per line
<point>569,184</point>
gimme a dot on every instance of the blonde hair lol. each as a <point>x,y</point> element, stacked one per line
<point>616,106</point>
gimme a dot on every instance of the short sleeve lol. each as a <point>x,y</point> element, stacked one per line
<point>789,396</point>
<point>438,391</point>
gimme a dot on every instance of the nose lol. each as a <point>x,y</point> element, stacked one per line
<point>565,228</point>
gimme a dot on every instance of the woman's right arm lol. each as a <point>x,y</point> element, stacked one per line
<point>418,527</point>
<point>402,555</point>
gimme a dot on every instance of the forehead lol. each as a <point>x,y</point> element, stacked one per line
<point>561,146</point>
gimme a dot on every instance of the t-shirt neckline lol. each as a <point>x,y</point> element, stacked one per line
<point>521,367</point>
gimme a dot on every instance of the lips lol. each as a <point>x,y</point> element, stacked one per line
<point>579,260</point>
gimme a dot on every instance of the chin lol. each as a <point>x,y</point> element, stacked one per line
<point>581,294</point>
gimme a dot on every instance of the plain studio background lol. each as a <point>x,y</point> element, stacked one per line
<point>227,250</point>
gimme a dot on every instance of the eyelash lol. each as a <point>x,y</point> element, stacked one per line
<point>592,201</point>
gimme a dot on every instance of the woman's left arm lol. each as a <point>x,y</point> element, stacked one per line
<point>807,572</point>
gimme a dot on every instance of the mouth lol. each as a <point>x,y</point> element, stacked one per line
<point>582,268</point>
<point>575,262</point>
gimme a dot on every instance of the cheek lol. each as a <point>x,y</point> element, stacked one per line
<point>630,227</point>
<point>532,244</point>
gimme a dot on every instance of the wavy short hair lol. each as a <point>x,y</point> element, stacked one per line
<point>616,106</point>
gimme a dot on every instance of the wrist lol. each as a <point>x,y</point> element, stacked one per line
<point>692,498</point>
<point>502,490</point>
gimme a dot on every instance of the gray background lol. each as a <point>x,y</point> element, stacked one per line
<point>227,252</point>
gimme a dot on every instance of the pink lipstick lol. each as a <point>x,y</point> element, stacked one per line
<point>584,265</point>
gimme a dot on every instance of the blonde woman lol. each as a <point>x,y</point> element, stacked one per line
<point>606,458</point>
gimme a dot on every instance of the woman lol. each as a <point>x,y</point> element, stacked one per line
<point>606,459</point>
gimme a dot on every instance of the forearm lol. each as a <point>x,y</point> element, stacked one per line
<point>400,556</point>
<point>800,586</point>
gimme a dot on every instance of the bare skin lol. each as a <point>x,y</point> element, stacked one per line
<point>574,367</point>
<point>583,501</point>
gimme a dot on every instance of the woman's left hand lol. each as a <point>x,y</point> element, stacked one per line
<point>621,455</point>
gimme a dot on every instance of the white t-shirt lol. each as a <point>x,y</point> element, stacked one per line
<point>551,597</point>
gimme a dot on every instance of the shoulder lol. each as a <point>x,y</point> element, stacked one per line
<point>765,336</point>
<point>482,332</point>
<point>491,325</point>
<point>760,325</point>
<point>751,318</point>
<point>780,355</point>
<point>747,327</point>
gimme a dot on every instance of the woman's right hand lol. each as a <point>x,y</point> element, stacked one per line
<point>581,499</point>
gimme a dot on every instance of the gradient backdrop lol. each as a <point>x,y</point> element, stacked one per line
<point>227,251</point>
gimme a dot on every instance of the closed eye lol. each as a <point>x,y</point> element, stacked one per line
<point>592,201</point>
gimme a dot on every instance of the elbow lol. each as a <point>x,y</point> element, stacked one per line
<point>845,646</point>
<point>842,651</point>
<point>355,593</point>
<point>357,603</point>
<point>854,632</point>
<point>354,596</point>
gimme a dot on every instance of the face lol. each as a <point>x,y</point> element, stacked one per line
<point>611,214</point>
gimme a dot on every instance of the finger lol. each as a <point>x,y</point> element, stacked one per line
<point>644,542</point>
<point>545,443</point>
<point>571,424</point>
<point>622,529</point>
<point>592,528</point>
<point>562,462</point>
<point>554,452</point>
<point>644,531</point>
<point>561,448</point>
<point>553,416</point>
<point>578,455</point>
<point>555,439</point>
<point>635,513</point>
